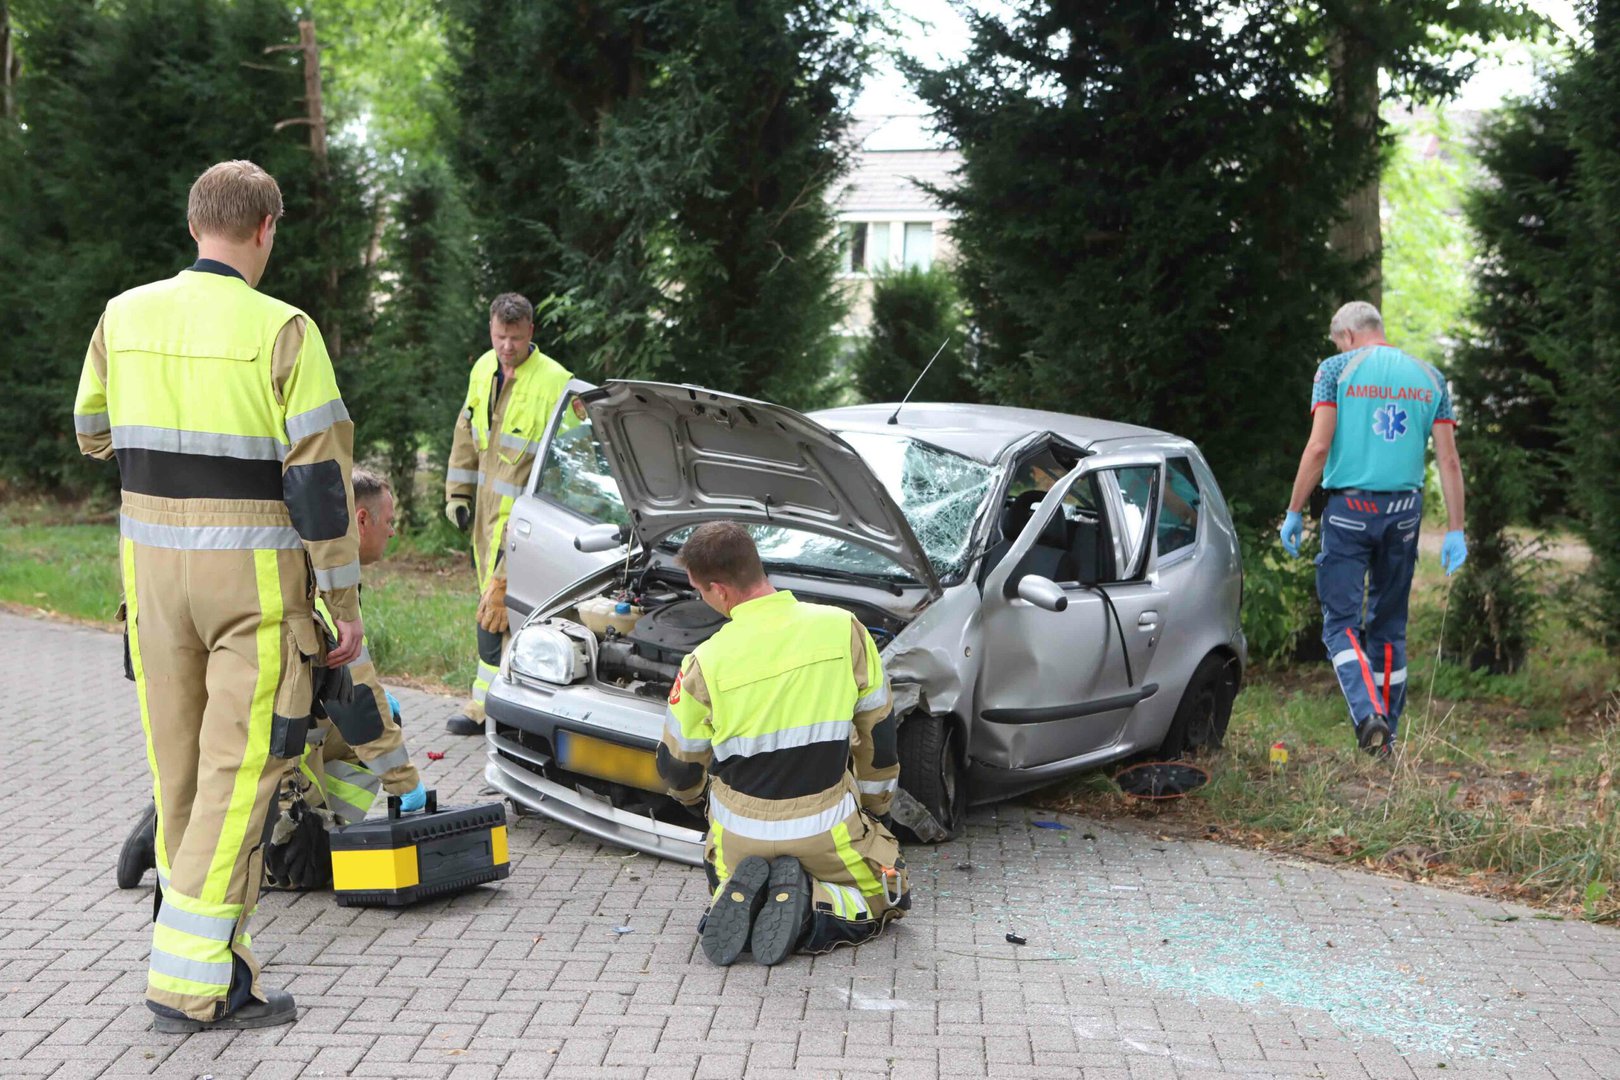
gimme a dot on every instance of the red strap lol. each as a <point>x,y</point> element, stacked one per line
<point>1366,672</point>
<point>1389,659</point>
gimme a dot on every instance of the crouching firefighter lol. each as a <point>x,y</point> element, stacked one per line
<point>354,748</point>
<point>784,717</point>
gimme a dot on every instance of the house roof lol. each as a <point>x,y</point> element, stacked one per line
<point>896,156</point>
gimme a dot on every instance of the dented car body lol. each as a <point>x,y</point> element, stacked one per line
<point>1050,593</point>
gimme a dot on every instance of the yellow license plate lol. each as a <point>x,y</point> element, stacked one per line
<point>608,761</point>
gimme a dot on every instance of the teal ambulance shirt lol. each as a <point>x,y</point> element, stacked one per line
<point>1387,403</point>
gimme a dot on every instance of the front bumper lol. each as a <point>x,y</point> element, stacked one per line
<point>525,774</point>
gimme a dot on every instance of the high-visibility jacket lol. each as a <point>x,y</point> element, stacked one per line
<point>221,407</point>
<point>787,708</point>
<point>497,436</point>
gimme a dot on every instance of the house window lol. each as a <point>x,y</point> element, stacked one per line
<point>877,246</point>
<point>919,249</point>
<point>855,248</point>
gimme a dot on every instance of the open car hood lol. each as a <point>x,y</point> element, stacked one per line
<point>683,455</point>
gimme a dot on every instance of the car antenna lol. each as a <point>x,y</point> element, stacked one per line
<point>894,418</point>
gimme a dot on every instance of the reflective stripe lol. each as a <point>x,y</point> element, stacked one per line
<point>785,829</point>
<point>480,692</point>
<point>268,639</point>
<point>198,971</point>
<point>878,787</point>
<point>1350,368</point>
<point>211,927</point>
<point>354,775</point>
<point>1396,677</point>
<point>316,420</point>
<point>91,423</point>
<point>363,658</point>
<point>1343,657</point>
<point>787,739</point>
<point>211,537</point>
<point>137,667</point>
<point>518,442</point>
<point>341,577</point>
<point>1366,672</point>
<point>865,880</point>
<point>851,905</point>
<point>461,476</point>
<point>346,812</point>
<point>877,699</point>
<point>510,491</point>
<point>206,443</point>
<point>316,735</point>
<point>396,758</point>
<point>672,728</point>
<point>486,673</point>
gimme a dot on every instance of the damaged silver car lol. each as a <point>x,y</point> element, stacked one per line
<point>1050,593</point>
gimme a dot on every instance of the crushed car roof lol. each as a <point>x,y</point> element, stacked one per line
<point>981,432</point>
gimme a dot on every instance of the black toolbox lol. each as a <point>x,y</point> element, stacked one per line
<point>399,859</point>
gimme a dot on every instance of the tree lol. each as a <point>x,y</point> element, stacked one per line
<point>663,191</point>
<point>1408,50</point>
<point>1142,216</point>
<point>914,313</point>
<point>1427,286</point>
<point>90,207</point>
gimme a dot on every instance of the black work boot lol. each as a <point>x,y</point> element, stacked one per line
<point>1373,738</point>
<point>731,916</point>
<point>780,922</point>
<point>255,1014</point>
<point>139,853</point>
<point>462,724</point>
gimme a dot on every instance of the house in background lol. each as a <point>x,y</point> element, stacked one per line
<point>886,218</point>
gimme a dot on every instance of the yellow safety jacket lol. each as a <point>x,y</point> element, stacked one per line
<point>221,407</point>
<point>495,442</point>
<point>780,708</point>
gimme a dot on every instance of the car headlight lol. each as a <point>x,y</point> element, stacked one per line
<point>547,654</point>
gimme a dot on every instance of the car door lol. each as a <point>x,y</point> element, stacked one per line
<point>569,490</point>
<point>1066,681</point>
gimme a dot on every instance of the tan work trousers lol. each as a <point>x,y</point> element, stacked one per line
<point>220,644</point>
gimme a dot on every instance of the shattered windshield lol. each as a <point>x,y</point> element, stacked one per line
<point>939,493</point>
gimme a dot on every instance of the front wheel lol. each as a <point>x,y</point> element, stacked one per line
<point>1199,725</point>
<point>931,804</point>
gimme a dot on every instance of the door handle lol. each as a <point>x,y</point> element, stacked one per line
<point>1147,620</point>
<point>523,527</point>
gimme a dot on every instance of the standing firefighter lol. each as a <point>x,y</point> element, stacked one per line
<point>785,716</point>
<point>344,765</point>
<point>1372,413</point>
<point>511,394</point>
<point>234,453</point>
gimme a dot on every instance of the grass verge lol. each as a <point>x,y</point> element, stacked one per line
<point>1501,784</point>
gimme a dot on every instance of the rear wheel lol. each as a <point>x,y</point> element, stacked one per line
<point>933,773</point>
<point>1205,710</point>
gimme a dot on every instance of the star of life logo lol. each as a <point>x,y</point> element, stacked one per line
<point>1389,422</point>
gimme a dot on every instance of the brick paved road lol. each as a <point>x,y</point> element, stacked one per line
<point>1146,959</point>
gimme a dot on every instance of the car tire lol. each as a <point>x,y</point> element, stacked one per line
<point>1199,725</point>
<point>933,772</point>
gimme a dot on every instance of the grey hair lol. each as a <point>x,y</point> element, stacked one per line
<point>1354,316</point>
<point>511,308</point>
<point>368,485</point>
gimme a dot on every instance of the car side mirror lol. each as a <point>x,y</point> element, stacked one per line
<point>1043,592</point>
<point>604,537</point>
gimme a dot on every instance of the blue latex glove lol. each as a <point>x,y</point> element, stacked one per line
<point>1453,551</point>
<point>414,799</point>
<point>393,705</point>
<point>1292,531</point>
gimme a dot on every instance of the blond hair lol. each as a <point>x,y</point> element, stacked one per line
<point>231,198</point>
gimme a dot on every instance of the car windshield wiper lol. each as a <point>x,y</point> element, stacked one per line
<point>834,573</point>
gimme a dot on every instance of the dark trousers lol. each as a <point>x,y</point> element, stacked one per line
<point>1364,579</point>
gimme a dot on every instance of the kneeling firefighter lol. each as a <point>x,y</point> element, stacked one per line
<point>354,749</point>
<point>784,717</point>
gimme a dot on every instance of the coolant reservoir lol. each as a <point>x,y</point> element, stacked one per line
<point>601,612</point>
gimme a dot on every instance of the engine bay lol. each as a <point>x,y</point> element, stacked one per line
<point>645,625</point>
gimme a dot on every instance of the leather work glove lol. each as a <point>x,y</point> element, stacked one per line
<point>1453,551</point>
<point>413,800</point>
<point>1292,531</point>
<point>492,614</point>
<point>299,855</point>
<point>331,684</point>
<point>459,510</point>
